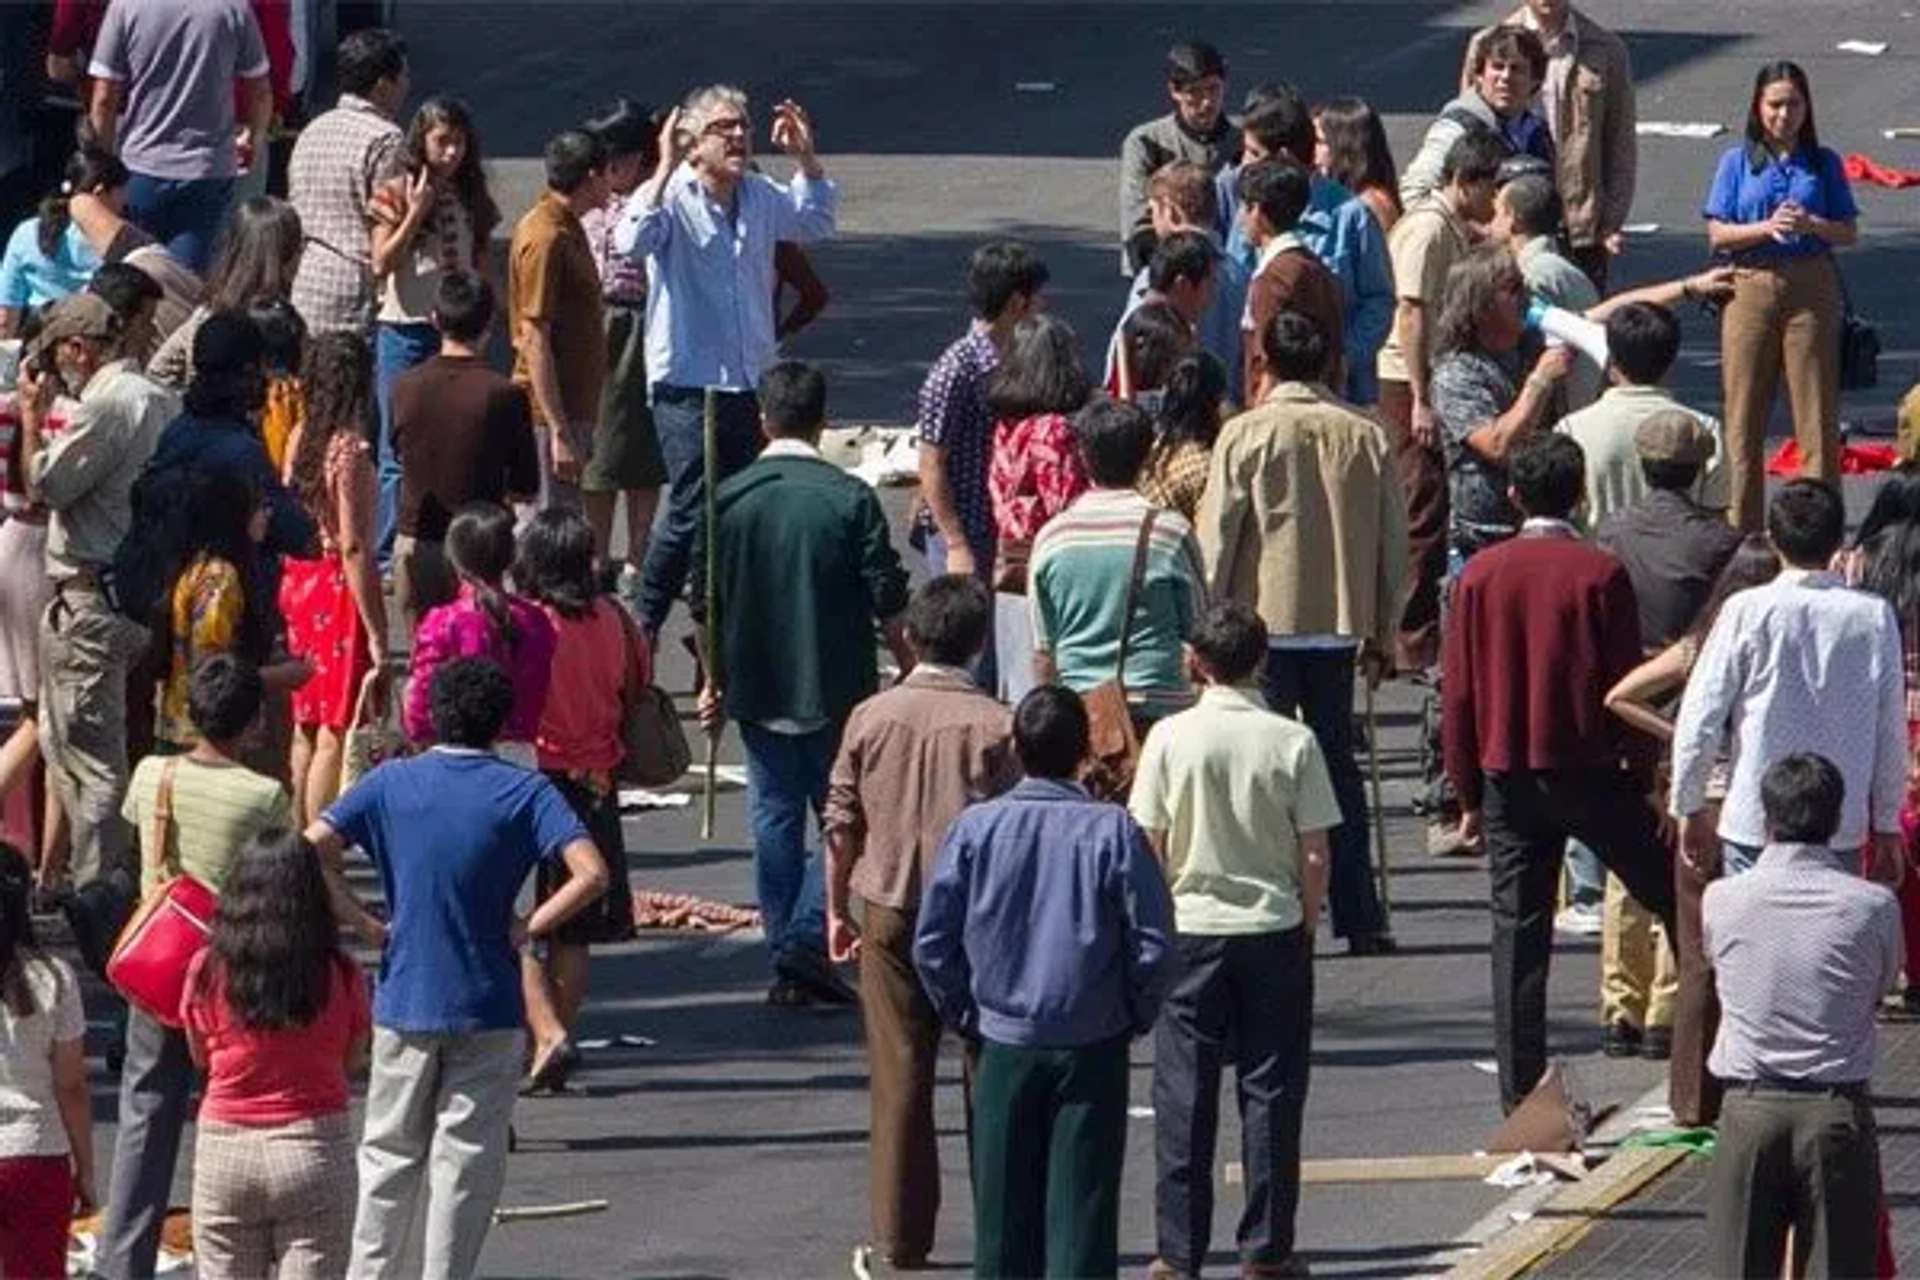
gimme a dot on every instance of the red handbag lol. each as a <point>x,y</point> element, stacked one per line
<point>168,929</point>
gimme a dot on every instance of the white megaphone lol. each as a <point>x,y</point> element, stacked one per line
<point>1565,328</point>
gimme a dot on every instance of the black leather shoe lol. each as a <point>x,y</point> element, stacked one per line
<point>1622,1040</point>
<point>813,973</point>
<point>1656,1044</point>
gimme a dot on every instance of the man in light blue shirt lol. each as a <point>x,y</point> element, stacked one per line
<point>707,229</point>
<point>1337,226</point>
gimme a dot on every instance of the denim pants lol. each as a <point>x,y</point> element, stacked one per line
<point>1315,686</point>
<point>396,349</point>
<point>679,415</point>
<point>184,214</point>
<point>786,781</point>
<point>985,671</point>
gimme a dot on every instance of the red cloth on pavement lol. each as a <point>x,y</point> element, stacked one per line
<point>1864,168</point>
<point>1855,460</point>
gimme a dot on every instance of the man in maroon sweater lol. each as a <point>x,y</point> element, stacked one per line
<point>1541,627</point>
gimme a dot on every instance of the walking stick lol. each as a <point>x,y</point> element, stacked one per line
<point>710,626</point>
<point>1379,817</point>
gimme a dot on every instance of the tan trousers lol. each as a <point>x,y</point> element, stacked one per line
<point>1784,318</point>
<point>1638,980</point>
<point>903,1044</point>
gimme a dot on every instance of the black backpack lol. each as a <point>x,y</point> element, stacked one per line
<point>150,554</point>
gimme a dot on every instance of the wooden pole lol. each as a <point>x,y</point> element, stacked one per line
<point>710,649</point>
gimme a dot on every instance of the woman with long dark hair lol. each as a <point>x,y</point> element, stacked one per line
<point>432,216</point>
<point>599,654</point>
<point>259,254</point>
<point>47,257</point>
<point>335,612</point>
<point>1188,423</point>
<point>1350,146</point>
<point>1778,207</point>
<point>1886,562</point>
<point>1033,473</point>
<point>277,1015</point>
<point>217,600</point>
<point>1644,698</point>
<point>484,620</point>
<point>46,1112</point>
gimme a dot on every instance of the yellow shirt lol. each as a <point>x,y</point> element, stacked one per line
<point>1234,787</point>
<point>209,603</point>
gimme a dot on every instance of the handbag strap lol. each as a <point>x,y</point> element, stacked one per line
<point>163,818</point>
<point>1140,546</point>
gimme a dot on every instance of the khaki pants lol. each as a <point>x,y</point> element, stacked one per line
<point>86,650</point>
<point>1784,318</point>
<point>903,1045</point>
<point>1638,981</point>
<point>437,1105</point>
<point>1809,1160</point>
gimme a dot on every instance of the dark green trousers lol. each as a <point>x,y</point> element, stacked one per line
<point>1049,1139</point>
<point>1806,1160</point>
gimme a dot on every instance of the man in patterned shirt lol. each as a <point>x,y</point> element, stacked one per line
<point>955,524</point>
<point>331,177</point>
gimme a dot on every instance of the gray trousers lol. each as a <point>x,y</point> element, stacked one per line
<point>438,1105</point>
<point>1810,1161</point>
<point>155,1087</point>
<point>86,650</point>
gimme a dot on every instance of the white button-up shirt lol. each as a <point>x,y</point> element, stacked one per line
<point>1802,664</point>
<point>710,278</point>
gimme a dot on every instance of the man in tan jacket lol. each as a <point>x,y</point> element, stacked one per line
<point>1304,521</point>
<point>1587,101</point>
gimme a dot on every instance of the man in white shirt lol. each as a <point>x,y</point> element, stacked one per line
<point>1800,665</point>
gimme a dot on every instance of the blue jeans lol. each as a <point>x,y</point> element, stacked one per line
<point>1586,877</point>
<point>184,214</point>
<point>678,544</point>
<point>985,671</point>
<point>396,349</point>
<point>1315,686</point>
<point>786,779</point>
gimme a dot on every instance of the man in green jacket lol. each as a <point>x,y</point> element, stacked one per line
<point>804,566</point>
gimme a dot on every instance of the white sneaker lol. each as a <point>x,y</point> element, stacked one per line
<point>1580,921</point>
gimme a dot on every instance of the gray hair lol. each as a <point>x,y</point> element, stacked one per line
<point>704,103</point>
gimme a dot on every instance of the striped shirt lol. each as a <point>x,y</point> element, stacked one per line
<point>1080,568</point>
<point>1802,950</point>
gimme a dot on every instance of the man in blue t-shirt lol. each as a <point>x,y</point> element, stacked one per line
<point>454,833</point>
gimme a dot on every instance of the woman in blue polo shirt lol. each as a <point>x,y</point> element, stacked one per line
<point>47,257</point>
<point>1778,207</point>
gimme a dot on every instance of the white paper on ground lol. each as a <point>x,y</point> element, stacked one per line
<point>1640,229</point>
<point>733,775</point>
<point>1140,1113</point>
<point>1871,48</point>
<point>1521,1171</point>
<point>1488,1065</point>
<point>1679,128</point>
<point>639,798</point>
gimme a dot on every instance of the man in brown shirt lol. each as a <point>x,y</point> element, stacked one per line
<point>1429,238</point>
<point>553,291</point>
<point>911,760</point>
<point>463,434</point>
<point>1273,194</point>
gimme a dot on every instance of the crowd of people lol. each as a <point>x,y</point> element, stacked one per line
<point>1118,782</point>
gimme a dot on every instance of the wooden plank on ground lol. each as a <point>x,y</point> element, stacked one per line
<point>1561,1221</point>
<point>1445,1168</point>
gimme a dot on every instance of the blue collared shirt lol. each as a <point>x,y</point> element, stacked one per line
<point>710,273</point>
<point>1047,923</point>
<point>1340,230</point>
<point>1750,183</point>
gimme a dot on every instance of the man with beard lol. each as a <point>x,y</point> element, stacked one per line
<point>84,477</point>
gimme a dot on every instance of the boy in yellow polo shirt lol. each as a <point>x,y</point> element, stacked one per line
<point>1237,801</point>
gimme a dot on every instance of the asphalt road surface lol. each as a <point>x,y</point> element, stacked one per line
<point>734,1146</point>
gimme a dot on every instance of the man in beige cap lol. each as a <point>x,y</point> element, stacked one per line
<point>1643,340</point>
<point>84,476</point>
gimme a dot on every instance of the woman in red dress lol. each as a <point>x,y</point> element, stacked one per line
<point>336,617</point>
